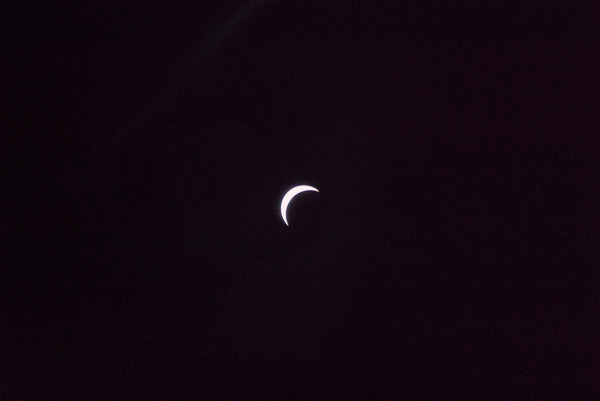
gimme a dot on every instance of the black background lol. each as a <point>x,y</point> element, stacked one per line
<point>449,252</point>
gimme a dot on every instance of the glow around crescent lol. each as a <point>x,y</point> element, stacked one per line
<point>289,195</point>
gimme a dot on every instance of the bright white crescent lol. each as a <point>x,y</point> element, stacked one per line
<point>289,195</point>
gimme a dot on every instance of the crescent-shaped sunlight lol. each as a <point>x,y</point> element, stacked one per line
<point>289,195</point>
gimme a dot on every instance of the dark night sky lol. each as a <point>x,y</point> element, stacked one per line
<point>449,252</point>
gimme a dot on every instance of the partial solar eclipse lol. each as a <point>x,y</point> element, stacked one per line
<point>289,195</point>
